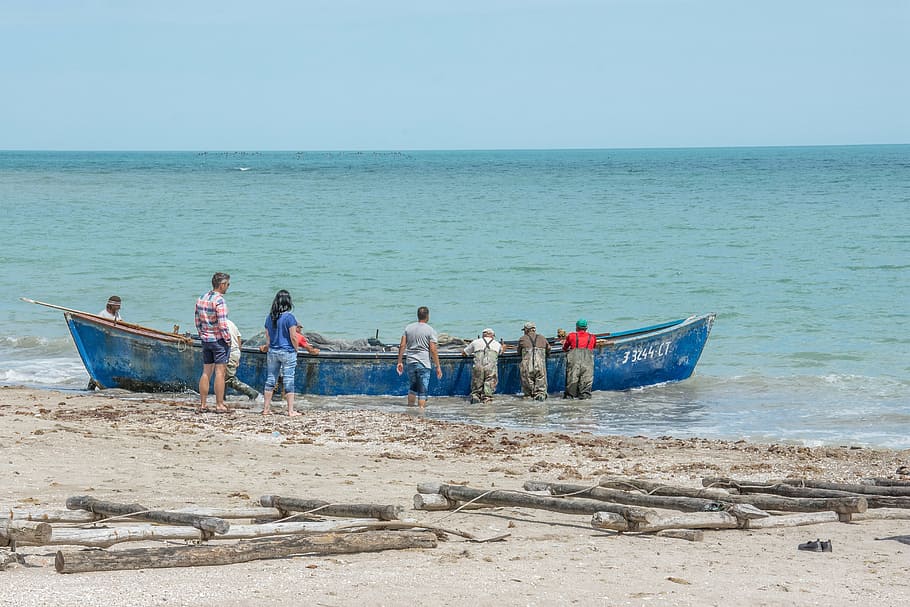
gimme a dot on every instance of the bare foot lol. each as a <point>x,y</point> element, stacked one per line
<point>266,411</point>
<point>293,414</point>
<point>222,409</point>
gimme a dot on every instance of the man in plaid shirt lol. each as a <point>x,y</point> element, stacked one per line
<point>211,323</point>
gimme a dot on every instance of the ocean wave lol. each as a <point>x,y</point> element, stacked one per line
<point>29,346</point>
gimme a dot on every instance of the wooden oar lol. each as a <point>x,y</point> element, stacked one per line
<point>119,323</point>
<point>41,303</point>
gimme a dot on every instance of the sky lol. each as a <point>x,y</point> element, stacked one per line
<point>462,74</point>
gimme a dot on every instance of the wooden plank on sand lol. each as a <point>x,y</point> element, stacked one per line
<point>323,508</point>
<point>75,561</point>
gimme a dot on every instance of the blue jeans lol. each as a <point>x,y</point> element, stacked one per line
<point>418,380</point>
<point>283,362</point>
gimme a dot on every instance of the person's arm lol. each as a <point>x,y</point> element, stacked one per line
<point>434,352</point>
<point>197,319</point>
<point>401,346</point>
<point>221,316</point>
<point>294,335</point>
<point>268,339</point>
<point>305,344</point>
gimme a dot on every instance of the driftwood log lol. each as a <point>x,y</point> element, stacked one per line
<point>893,491</point>
<point>885,514</point>
<point>679,520</point>
<point>872,501</point>
<point>139,512</point>
<point>104,537</point>
<point>25,532</point>
<point>692,535</point>
<point>75,561</point>
<point>323,508</point>
<point>658,488</point>
<point>49,515</point>
<point>670,502</point>
<point>887,482</point>
<point>56,515</point>
<point>520,499</point>
<point>434,501</point>
<point>711,520</point>
<point>845,506</point>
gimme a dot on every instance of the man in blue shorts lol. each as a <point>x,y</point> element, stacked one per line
<point>418,344</point>
<point>211,323</point>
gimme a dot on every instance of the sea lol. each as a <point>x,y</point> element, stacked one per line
<point>802,252</point>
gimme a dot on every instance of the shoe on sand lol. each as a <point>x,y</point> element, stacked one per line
<point>816,546</point>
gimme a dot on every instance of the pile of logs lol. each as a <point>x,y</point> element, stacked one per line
<point>280,527</point>
<point>641,506</point>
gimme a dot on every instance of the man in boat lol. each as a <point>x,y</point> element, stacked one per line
<point>112,310</point>
<point>304,343</point>
<point>485,374</point>
<point>419,343</point>
<point>579,349</point>
<point>211,323</point>
<point>230,372</point>
<point>533,350</point>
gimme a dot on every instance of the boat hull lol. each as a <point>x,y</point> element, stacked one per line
<point>117,355</point>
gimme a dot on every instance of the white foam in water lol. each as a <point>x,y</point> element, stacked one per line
<point>56,372</point>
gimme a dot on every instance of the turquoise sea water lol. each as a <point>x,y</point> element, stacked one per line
<point>804,254</point>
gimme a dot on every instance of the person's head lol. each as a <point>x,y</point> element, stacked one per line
<point>221,281</point>
<point>529,327</point>
<point>113,304</point>
<point>281,304</point>
<point>423,313</point>
<point>488,332</point>
<point>581,324</point>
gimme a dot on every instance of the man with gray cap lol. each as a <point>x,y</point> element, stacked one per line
<point>533,350</point>
<point>485,374</point>
<point>579,349</point>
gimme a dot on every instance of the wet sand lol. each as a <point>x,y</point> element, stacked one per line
<point>164,454</point>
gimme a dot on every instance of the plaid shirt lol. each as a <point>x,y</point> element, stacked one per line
<point>211,317</point>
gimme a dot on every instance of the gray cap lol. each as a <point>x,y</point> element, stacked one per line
<point>530,325</point>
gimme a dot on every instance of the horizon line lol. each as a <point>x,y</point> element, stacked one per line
<point>410,150</point>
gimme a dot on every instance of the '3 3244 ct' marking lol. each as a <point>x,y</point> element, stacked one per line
<point>646,353</point>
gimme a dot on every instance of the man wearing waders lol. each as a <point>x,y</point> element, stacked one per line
<point>579,349</point>
<point>484,375</point>
<point>533,350</point>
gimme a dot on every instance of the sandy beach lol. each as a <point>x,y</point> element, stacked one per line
<point>164,454</point>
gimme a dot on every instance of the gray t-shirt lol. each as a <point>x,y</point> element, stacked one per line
<point>418,336</point>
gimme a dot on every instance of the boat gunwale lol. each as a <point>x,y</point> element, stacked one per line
<point>193,341</point>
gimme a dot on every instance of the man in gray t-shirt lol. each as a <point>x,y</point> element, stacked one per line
<point>417,345</point>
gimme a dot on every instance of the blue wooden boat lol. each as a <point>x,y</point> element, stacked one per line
<point>133,357</point>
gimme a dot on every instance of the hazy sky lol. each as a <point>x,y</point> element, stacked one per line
<point>456,74</point>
